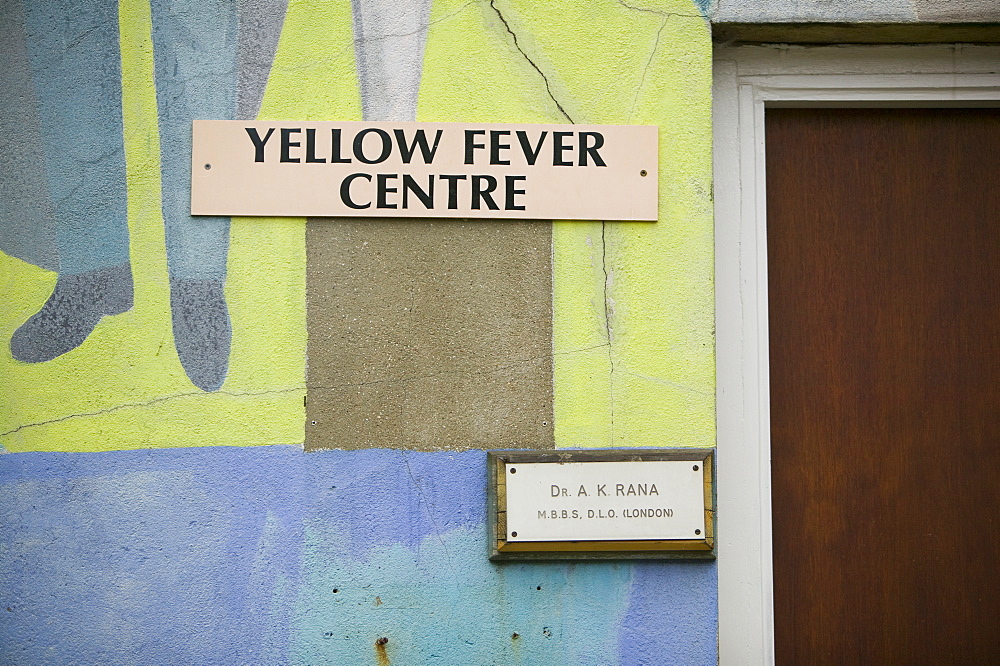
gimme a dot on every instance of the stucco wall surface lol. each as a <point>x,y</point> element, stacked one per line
<point>156,503</point>
<point>125,322</point>
<point>268,555</point>
<point>629,357</point>
<point>854,11</point>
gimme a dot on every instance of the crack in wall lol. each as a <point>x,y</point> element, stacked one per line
<point>608,330</point>
<point>412,378</point>
<point>667,382</point>
<point>657,12</point>
<point>483,371</point>
<point>430,516</point>
<point>154,401</point>
<point>421,28</point>
<point>545,79</point>
<point>645,70</point>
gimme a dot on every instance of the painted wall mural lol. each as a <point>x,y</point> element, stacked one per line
<point>202,69</point>
<point>119,307</point>
<point>266,555</point>
<point>161,501</point>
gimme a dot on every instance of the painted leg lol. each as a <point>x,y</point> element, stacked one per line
<point>194,47</point>
<point>27,222</point>
<point>73,51</point>
<point>260,24</point>
<point>389,39</point>
<point>72,311</point>
<point>200,48</point>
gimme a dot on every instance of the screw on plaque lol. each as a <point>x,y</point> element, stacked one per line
<point>513,470</point>
<point>697,531</point>
<point>695,468</point>
<point>207,167</point>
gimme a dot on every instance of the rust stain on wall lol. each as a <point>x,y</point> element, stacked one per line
<point>380,654</point>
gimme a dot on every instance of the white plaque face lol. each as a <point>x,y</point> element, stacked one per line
<point>605,501</point>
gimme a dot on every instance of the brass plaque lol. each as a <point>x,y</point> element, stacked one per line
<point>637,503</point>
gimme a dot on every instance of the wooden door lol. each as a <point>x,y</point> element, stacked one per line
<point>884,310</point>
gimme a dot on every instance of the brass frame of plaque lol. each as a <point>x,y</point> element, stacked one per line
<point>694,548</point>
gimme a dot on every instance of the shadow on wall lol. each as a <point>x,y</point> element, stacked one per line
<point>63,193</point>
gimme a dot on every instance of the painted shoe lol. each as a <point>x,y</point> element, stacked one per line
<point>76,305</point>
<point>202,332</point>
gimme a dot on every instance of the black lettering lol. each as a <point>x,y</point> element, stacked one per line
<point>511,191</point>
<point>311,147</point>
<point>554,490</point>
<point>470,144</point>
<point>383,189</point>
<point>496,146</point>
<point>452,189</point>
<point>541,514</point>
<point>335,156</point>
<point>619,489</point>
<point>653,490</point>
<point>345,191</point>
<point>410,185</point>
<point>559,147</point>
<point>258,143</point>
<point>287,144</point>
<point>600,490</point>
<point>530,154</point>
<point>591,150</point>
<point>359,145</point>
<point>582,492</point>
<point>419,140</point>
<point>479,194</point>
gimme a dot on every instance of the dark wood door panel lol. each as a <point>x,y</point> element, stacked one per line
<point>884,288</point>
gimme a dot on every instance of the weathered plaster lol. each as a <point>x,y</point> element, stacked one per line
<point>632,302</point>
<point>958,11</point>
<point>804,11</point>
<point>389,38</point>
<point>429,334</point>
<point>271,555</point>
<point>854,11</point>
<point>460,334</point>
<point>124,386</point>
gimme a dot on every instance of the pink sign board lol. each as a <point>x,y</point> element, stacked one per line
<point>383,169</point>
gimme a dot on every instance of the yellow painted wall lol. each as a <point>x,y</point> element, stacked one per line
<point>633,358</point>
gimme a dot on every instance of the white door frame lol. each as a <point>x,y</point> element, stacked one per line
<point>746,80</point>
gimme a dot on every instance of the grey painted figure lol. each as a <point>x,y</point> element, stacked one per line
<point>60,98</point>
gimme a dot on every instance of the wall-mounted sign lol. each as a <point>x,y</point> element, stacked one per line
<point>368,169</point>
<point>644,503</point>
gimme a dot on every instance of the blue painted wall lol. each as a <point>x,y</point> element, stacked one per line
<point>268,555</point>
